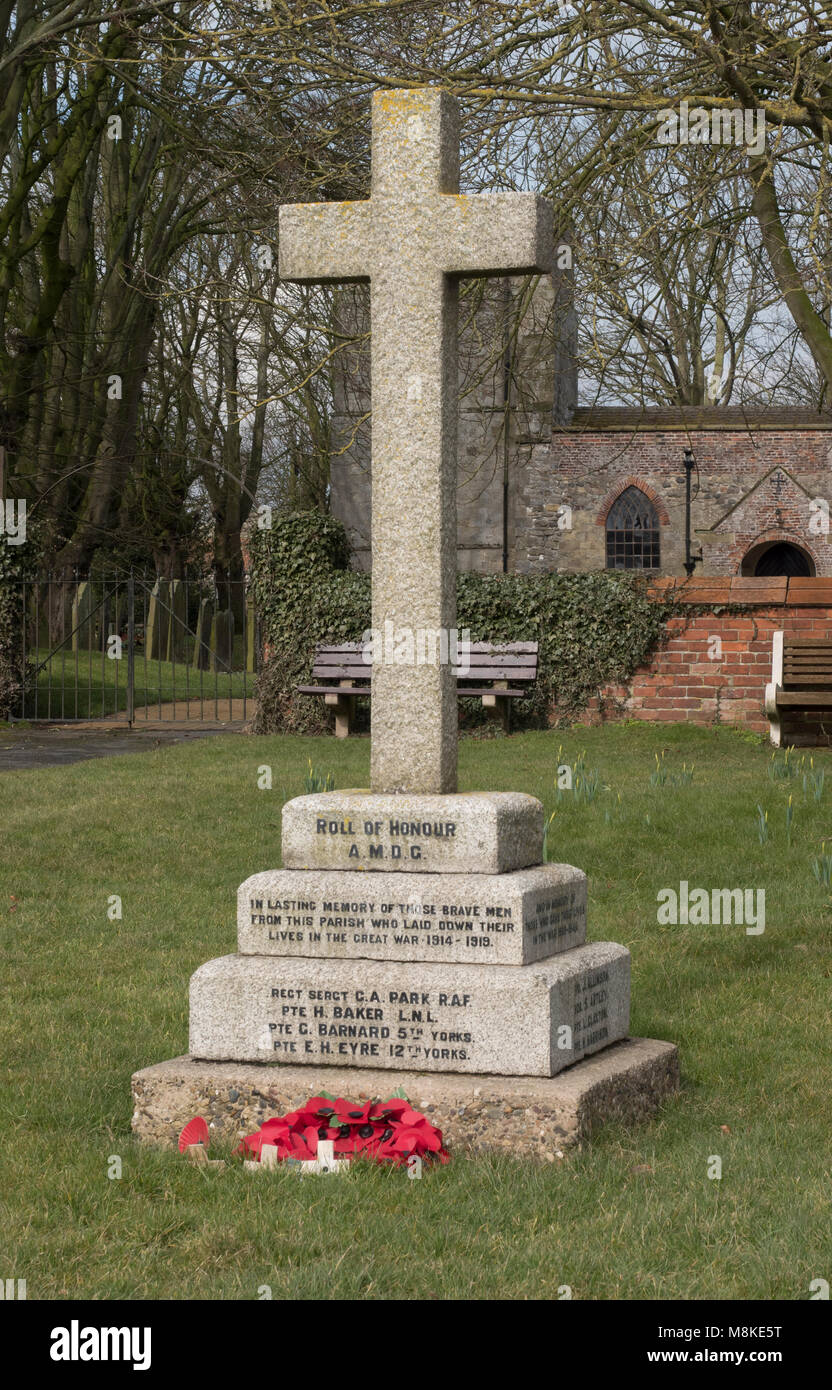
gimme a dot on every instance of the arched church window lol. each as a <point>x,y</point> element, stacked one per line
<point>632,532</point>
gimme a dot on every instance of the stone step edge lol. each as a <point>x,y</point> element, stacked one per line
<point>562,957</point>
<point>625,1082</point>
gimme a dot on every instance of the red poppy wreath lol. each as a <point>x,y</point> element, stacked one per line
<point>388,1131</point>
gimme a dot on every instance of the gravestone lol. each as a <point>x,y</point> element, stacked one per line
<point>251,634</point>
<point>202,643</point>
<point>83,617</point>
<point>178,625</point>
<point>222,640</point>
<point>414,931</point>
<point>158,621</point>
<point>64,594</point>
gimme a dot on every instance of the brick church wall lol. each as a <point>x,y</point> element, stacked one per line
<point>715,664</point>
<point>756,480</point>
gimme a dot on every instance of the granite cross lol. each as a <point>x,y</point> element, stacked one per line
<point>412,239</point>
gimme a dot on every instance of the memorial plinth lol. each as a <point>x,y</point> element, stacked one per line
<point>413,937</point>
<point>527,1020</point>
<point>477,989</point>
<point>462,833</point>
<point>532,1117</point>
<point>488,919</point>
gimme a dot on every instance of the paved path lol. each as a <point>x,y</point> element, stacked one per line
<point>194,711</point>
<point>39,746</point>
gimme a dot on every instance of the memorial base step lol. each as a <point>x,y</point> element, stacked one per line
<point>514,1020</point>
<point>527,1117</point>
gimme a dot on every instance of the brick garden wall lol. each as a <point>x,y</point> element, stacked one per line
<point>695,677</point>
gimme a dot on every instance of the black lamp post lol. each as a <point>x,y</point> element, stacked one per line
<point>691,561</point>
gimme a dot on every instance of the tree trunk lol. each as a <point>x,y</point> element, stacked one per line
<point>808,321</point>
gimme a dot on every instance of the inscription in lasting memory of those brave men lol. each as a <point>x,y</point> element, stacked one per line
<point>501,919</point>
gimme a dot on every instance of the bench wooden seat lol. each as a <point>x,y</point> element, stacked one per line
<point>496,674</point>
<point>801,682</point>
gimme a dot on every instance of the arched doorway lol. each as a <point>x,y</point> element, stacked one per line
<point>775,559</point>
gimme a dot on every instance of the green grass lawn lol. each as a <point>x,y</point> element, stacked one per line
<point>89,685</point>
<point>173,832</point>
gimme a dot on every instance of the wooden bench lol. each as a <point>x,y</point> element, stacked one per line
<point>800,689</point>
<point>497,673</point>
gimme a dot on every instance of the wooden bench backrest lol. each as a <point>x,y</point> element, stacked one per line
<point>807,662</point>
<point>494,661</point>
<point>489,661</point>
<point>345,662</point>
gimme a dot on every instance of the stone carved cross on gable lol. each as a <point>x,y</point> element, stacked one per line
<point>413,239</point>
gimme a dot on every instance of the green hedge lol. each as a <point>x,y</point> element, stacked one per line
<point>592,628</point>
<point>17,563</point>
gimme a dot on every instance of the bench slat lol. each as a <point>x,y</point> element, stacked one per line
<point>485,648</point>
<point>497,658</point>
<point>346,674</point>
<point>504,647</point>
<point>342,659</point>
<point>341,673</point>
<point>476,663</point>
<point>462,690</point>
<point>482,663</point>
<point>358,672</point>
<point>474,672</point>
<point>333,689</point>
<point>804,699</point>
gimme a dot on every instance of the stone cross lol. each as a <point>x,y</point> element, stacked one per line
<point>413,239</point>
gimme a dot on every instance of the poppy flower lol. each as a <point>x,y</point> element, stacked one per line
<point>367,1139</point>
<point>392,1109</point>
<point>195,1132</point>
<point>421,1138</point>
<point>355,1138</point>
<point>251,1145</point>
<point>351,1113</point>
<point>318,1111</point>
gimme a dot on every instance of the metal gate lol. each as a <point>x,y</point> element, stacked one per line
<point>137,649</point>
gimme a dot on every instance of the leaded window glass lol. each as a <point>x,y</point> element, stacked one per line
<point>632,532</point>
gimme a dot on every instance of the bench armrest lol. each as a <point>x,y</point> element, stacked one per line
<point>772,691</point>
<point>777,658</point>
<point>773,712</point>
